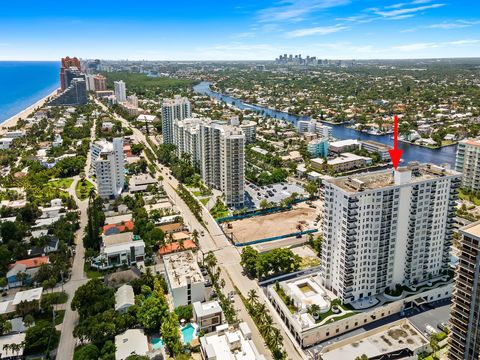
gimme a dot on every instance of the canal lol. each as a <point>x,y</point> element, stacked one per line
<point>410,152</point>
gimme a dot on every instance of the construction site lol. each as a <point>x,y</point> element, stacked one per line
<point>301,218</point>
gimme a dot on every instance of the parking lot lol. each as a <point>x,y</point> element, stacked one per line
<point>272,193</point>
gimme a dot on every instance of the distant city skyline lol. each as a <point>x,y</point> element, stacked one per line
<point>240,30</point>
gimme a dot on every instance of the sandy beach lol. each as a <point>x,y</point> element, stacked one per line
<point>11,122</point>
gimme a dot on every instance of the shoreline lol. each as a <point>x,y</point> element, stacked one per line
<point>12,121</point>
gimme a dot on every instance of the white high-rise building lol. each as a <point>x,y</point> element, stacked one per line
<point>187,140</point>
<point>218,151</point>
<point>133,100</point>
<point>314,126</point>
<point>175,109</point>
<point>90,82</point>
<point>468,163</point>
<point>222,160</point>
<point>386,228</point>
<point>108,167</point>
<point>120,91</point>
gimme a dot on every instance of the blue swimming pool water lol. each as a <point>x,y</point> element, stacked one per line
<point>157,343</point>
<point>188,331</point>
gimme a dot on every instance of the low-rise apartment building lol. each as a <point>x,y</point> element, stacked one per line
<point>184,278</point>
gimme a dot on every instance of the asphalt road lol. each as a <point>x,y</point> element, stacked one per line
<point>67,343</point>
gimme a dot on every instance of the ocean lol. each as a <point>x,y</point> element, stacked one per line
<point>23,83</point>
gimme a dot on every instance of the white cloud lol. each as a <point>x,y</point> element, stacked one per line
<point>243,35</point>
<point>459,24</point>
<point>464,42</point>
<point>319,30</point>
<point>398,12</point>
<point>401,17</point>
<point>433,45</point>
<point>448,26</point>
<point>295,10</point>
<point>415,47</point>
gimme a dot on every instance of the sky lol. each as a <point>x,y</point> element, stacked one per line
<point>239,30</point>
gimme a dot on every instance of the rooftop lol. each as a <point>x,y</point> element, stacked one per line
<point>472,229</point>
<point>113,229</point>
<point>181,267</point>
<point>33,262</point>
<point>121,238</point>
<point>131,341</point>
<point>343,158</point>
<point>206,308</point>
<point>124,296</point>
<point>386,178</point>
<point>6,353</point>
<point>376,144</point>
<point>473,142</point>
<point>382,340</point>
<point>230,344</point>
<point>346,142</point>
<point>27,295</point>
<point>175,246</point>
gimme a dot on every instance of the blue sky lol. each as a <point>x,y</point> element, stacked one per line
<point>239,30</point>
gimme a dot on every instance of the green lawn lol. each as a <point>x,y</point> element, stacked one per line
<point>61,183</point>
<point>286,300</point>
<point>219,210</point>
<point>470,197</point>
<point>204,201</point>
<point>59,315</point>
<point>91,273</point>
<point>83,189</point>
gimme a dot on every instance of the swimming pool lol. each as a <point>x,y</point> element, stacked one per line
<point>157,343</point>
<point>188,332</point>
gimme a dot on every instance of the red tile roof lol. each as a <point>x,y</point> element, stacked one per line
<point>121,227</point>
<point>175,246</point>
<point>33,262</point>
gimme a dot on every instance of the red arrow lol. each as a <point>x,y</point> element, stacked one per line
<point>395,153</point>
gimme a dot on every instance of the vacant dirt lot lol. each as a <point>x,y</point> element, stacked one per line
<point>261,227</point>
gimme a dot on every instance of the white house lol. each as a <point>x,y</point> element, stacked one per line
<point>124,298</point>
<point>132,341</point>
<point>120,249</point>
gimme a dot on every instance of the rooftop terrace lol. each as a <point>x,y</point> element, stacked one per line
<point>386,178</point>
<point>181,268</point>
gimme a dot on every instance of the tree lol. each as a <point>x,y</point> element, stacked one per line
<point>92,298</point>
<point>195,236</point>
<point>5,326</point>
<point>27,307</point>
<point>362,357</point>
<point>264,204</point>
<point>248,259</point>
<point>171,334</point>
<point>86,352</point>
<point>108,351</point>
<point>311,188</point>
<point>152,313</point>
<point>41,337</point>
<point>252,297</point>
<point>184,312</point>
<point>434,344</point>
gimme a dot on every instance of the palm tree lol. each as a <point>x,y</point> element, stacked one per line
<point>275,338</point>
<point>252,297</point>
<point>211,260</point>
<point>195,236</point>
<point>181,244</point>
<point>21,277</point>
<point>7,348</point>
